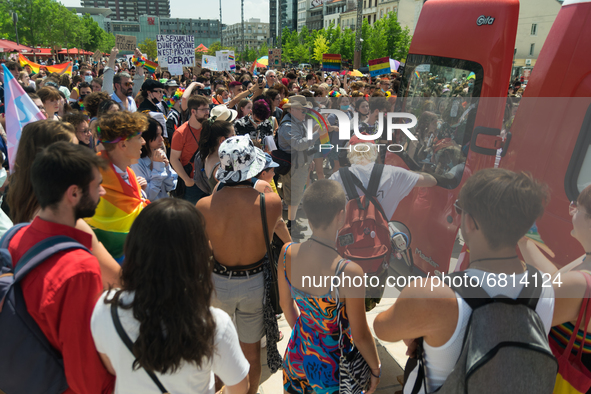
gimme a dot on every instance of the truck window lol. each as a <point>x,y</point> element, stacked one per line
<point>578,174</point>
<point>443,94</point>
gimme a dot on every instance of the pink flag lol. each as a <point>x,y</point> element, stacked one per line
<point>20,110</point>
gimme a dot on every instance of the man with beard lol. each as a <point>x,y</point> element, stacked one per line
<point>67,183</point>
<point>124,91</point>
<point>120,86</point>
<point>184,146</point>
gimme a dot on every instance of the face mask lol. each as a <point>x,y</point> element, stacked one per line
<point>82,97</point>
<point>344,107</point>
<point>226,100</point>
<point>155,99</point>
<point>382,89</point>
<point>329,84</point>
<point>88,78</point>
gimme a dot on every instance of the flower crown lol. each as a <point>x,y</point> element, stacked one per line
<point>171,101</point>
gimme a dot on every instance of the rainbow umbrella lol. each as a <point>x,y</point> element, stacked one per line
<point>354,73</point>
<point>262,62</point>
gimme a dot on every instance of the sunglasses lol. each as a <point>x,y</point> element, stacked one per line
<point>128,84</point>
<point>459,211</point>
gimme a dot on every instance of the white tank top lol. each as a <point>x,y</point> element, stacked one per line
<point>440,361</point>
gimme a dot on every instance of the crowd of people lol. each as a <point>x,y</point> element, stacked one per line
<point>184,196</point>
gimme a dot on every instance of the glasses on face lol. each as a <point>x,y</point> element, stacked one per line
<point>159,91</point>
<point>128,84</point>
<point>203,109</point>
<point>86,131</point>
<point>459,211</point>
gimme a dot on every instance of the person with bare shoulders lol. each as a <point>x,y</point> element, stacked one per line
<point>322,312</point>
<point>241,268</point>
<point>569,282</point>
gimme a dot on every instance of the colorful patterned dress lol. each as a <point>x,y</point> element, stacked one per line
<point>311,362</point>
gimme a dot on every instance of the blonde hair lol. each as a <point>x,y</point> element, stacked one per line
<point>363,152</point>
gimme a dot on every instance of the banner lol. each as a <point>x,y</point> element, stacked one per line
<point>175,50</point>
<point>209,62</point>
<point>20,110</point>
<point>125,43</point>
<point>63,68</point>
<point>225,61</point>
<point>379,67</point>
<point>331,62</point>
<point>97,55</point>
<point>394,64</point>
<point>275,58</point>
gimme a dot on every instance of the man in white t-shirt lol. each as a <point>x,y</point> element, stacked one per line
<point>395,183</point>
<point>497,208</point>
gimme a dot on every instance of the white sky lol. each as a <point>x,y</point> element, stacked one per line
<point>210,9</point>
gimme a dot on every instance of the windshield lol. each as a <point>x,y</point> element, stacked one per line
<point>443,94</point>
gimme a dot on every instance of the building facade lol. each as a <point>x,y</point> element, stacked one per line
<point>130,10</point>
<point>348,19</point>
<point>288,15</point>
<point>385,7</point>
<point>255,34</point>
<point>272,23</point>
<point>303,7</point>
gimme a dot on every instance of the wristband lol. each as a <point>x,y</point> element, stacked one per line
<point>379,375</point>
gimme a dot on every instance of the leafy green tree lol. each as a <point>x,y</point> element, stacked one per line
<point>264,50</point>
<point>377,43</point>
<point>397,37</point>
<point>95,33</point>
<point>301,54</point>
<point>320,48</point>
<point>149,48</point>
<point>107,42</point>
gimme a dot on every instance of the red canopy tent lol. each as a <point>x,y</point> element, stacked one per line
<point>39,52</point>
<point>11,46</point>
<point>201,48</point>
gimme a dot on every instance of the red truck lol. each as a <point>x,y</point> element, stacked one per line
<point>467,46</point>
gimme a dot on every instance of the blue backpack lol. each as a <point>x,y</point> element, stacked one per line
<point>29,364</point>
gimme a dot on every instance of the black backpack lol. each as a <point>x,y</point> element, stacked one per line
<point>505,348</point>
<point>28,362</point>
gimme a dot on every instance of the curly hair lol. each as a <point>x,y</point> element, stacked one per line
<point>120,125</point>
<point>35,136</point>
<point>171,301</point>
<point>92,102</point>
<point>261,109</point>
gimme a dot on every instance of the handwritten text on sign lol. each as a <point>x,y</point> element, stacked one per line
<point>175,49</point>
<point>125,43</point>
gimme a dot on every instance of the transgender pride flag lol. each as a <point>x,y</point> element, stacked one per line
<point>20,110</point>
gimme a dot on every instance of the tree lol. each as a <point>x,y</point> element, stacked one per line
<point>264,50</point>
<point>377,43</point>
<point>149,48</point>
<point>301,54</point>
<point>398,38</point>
<point>320,48</point>
<point>107,42</point>
<point>95,33</point>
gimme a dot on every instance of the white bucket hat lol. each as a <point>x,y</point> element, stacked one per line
<point>221,112</point>
<point>240,160</point>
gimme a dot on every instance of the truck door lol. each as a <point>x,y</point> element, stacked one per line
<point>455,82</point>
<point>551,132</point>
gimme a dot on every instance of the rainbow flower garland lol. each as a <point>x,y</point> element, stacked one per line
<point>171,101</point>
<point>138,62</point>
<point>334,93</point>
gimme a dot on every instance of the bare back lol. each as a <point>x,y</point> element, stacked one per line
<point>234,225</point>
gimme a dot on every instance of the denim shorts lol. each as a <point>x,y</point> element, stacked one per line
<point>242,298</point>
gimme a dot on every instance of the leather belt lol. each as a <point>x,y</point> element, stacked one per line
<point>246,270</point>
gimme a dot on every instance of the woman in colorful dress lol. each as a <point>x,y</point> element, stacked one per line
<point>318,314</point>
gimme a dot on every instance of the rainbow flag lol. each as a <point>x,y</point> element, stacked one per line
<point>417,74</point>
<point>117,209</point>
<point>331,62</point>
<point>324,137</point>
<point>20,110</point>
<point>151,66</point>
<point>379,66</point>
<point>535,236</point>
<point>63,68</point>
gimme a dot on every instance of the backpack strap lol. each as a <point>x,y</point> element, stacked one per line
<point>370,197</point>
<point>11,232</point>
<point>41,251</point>
<point>129,344</point>
<point>374,179</point>
<point>347,178</point>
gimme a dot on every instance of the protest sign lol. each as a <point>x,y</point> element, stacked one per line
<point>175,69</point>
<point>175,49</point>
<point>331,62</point>
<point>209,62</point>
<point>275,58</point>
<point>225,60</point>
<point>379,66</point>
<point>97,55</point>
<point>394,64</point>
<point>125,43</point>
